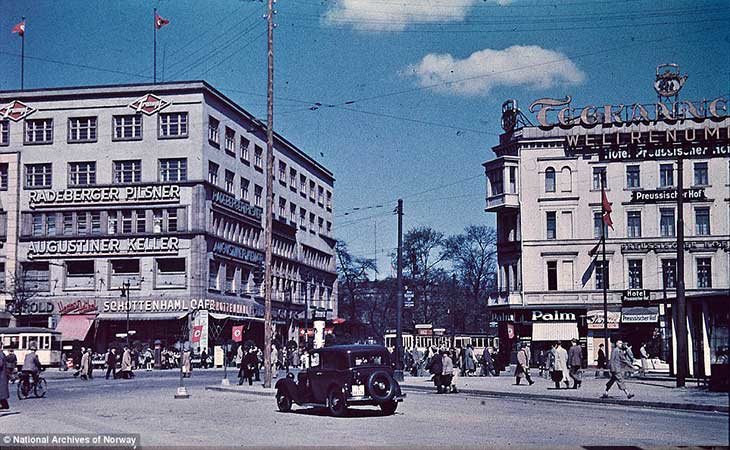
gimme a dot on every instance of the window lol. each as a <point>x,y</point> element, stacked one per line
<point>244,189</point>
<point>311,222</point>
<point>230,144</point>
<point>702,221</point>
<point>81,173</point>
<point>230,278</point>
<point>68,224</point>
<point>669,273</point>
<point>303,185</point>
<point>282,207</point>
<point>172,220</point>
<point>258,153</point>
<point>4,132</point>
<point>96,222</point>
<point>633,224</point>
<point>124,271</point>
<point>311,191</point>
<point>243,145</point>
<point>213,172</point>
<point>213,125</point>
<point>230,178</point>
<point>157,221</point>
<point>552,275</point>
<point>3,176</point>
<point>127,222</point>
<point>704,272</point>
<point>82,129</point>
<point>549,179</point>
<point>80,274</point>
<point>328,204</point>
<point>282,172</point>
<point>566,179</point>
<point>293,179</point>
<point>82,223</point>
<point>38,175</point>
<point>496,182</point>
<point>666,222</point>
<point>566,221</point>
<point>635,274</point>
<point>551,225</point>
<point>128,171</point>
<point>633,177</point>
<point>329,227</point>
<point>39,131</point>
<point>293,213</point>
<point>600,229</point>
<point>257,192</point>
<point>320,195</point>
<point>666,175</point>
<point>127,127</point>
<point>38,226</point>
<point>36,277</point>
<point>513,179</point>
<point>701,178</point>
<point>213,278</point>
<point>599,174</point>
<point>173,125</point>
<point>170,272</point>
<point>173,169</point>
<point>602,278</point>
<point>302,218</point>
<point>320,225</point>
<point>140,221</point>
<point>112,222</point>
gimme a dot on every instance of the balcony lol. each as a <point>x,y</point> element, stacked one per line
<point>504,200</point>
<point>504,299</point>
<point>508,247</point>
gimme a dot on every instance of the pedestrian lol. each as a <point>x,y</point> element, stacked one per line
<point>4,390</point>
<point>186,364</point>
<point>541,361</point>
<point>488,362</point>
<point>239,355</point>
<point>64,360</point>
<point>523,365</point>
<point>435,366</point>
<point>90,372</point>
<point>575,361</point>
<point>85,363</point>
<point>447,372</point>
<point>468,360</point>
<point>77,361</point>
<point>644,359</point>
<point>561,363</point>
<point>557,364</point>
<point>126,369</point>
<point>618,365</point>
<point>259,362</point>
<point>148,359</point>
<point>629,354</point>
<point>203,359</point>
<point>249,365</point>
<point>273,357</point>
<point>601,360</point>
<point>111,363</point>
<point>11,364</point>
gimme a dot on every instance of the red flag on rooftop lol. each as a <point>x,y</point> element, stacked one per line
<point>237,333</point>
<point>160,21</point>
<point>607,211</point>
<point>19,28</point>
<point>197,332</point>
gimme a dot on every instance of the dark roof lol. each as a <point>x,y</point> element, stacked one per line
<point>14,330</point>
<point>353,348</point>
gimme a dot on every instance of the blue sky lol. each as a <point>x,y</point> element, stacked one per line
<point>415,86</point>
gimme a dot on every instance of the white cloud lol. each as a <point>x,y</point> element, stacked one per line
<point>382,15</point>
<point>529,66</point>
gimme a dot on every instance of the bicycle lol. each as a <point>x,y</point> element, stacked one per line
<point>26,383</point>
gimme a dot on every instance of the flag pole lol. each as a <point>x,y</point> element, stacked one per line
<point>154,58</point>
<point>604,275</point>
<point>22,56</point>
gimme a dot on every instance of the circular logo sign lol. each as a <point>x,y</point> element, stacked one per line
<point>236,333</point>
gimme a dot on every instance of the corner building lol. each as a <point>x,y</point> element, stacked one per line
<point>149,199</point>
<point>546,193</point>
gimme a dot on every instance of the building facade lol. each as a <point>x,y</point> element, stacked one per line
<point>148,201</point>
<point>544,185</point>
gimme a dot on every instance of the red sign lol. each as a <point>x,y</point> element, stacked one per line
<point>510,331</point>
<point>149,104</point>
<point>15,111</point>
<point>197,332</point>
<point>77,307</point>
<point>237,333</point>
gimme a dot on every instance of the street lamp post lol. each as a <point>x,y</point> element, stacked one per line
<point>125,293</point>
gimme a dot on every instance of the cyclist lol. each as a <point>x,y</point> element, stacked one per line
<point>31,363</point>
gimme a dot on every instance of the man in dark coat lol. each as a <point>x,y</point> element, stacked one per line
<point>111,363</point>
<point>575,362</point>
<point>11,364</point>
<point>4,391</point>
<point>435,366</point>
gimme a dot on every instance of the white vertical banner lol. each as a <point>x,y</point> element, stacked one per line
<point>203,321</point>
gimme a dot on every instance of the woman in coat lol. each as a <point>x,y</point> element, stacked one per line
<point>187,366</point>
<point>469,361</point>
<point>85,365</point>
<point>560,365</point>
<point>4,391</point>
<point>127,364</point>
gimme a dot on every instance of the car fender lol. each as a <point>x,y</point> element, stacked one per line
<point>336,386</point>
<point>289,386</point>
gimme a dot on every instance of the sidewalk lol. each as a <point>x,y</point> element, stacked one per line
<point>257,388</point>
<point>648,393</point>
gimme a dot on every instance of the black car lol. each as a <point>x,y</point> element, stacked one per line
<point>342,376</point>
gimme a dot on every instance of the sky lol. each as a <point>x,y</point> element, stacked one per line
<point>398,98</point>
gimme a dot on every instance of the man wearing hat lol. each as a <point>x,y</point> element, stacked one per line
<point>31,363</point>
<point>575,362</point>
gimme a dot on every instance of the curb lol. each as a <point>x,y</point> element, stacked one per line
<point>240,391</point>
<point>610,401</point>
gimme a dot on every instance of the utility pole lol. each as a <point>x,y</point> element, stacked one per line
<point>269,194</point>
<point>398,374</point>
<point>604,269</point>
<point>681,311</point>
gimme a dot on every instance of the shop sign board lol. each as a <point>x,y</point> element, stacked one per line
<point>640,315</point>
<point>671,246</point>
<point>594,319</point>
<point>179,305</point>
<point>668,195</point>
<point>553,316</point>
<point>636,295</point>
<point>501,316</point>
<point>163,193</point>
<point>149,104</point>
<point>689,150</point>
<point>103,246</point>
<point>238,252</point>
<point>228,201</point>
<point>15,111</point>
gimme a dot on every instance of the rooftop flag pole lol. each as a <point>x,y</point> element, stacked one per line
<point>154,70</point>
<point>20,29</point>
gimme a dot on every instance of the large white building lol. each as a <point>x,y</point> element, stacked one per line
<point>162,188</point>
<point>545,187</point>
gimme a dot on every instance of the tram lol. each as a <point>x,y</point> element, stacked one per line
<point>48,343</point>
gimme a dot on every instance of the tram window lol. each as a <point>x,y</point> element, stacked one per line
<point>45,342</point>
<point>24,342</point>
<point>55,343</point>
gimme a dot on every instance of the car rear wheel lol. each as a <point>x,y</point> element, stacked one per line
<point>389,408</point>
<point>337,403</point>
<point>283,401</point>
<point>381,386</point>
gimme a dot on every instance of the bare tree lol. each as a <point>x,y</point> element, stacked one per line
<point>19,291</point>
<point>353,274</point>
<point>421,247</point>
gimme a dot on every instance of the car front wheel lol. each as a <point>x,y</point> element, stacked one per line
<point>389,408</point>
<point>283,401</point>
<point>336,403</point>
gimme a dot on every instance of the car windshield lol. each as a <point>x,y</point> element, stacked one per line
<point>366,359</point>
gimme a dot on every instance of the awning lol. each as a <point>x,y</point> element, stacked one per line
<point>142,316</point>
<point>75,327</point>
<point>554,331</point>
<point>221,316</point>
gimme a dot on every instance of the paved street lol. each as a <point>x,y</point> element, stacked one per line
<point>146,406</point>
